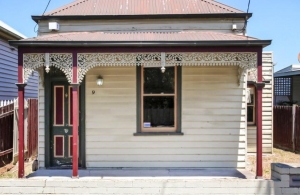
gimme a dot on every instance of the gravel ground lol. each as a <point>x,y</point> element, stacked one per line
<point>278,155</point>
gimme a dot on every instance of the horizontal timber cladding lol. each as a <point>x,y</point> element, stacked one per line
<point>219,25</point>
<point>213,121</point>
<point>41,124</point>
<point>267,114</point>
<point>9,74</point>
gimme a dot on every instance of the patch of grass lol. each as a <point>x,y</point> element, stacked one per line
<point>8,175</point>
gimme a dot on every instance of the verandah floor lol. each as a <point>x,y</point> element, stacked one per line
<point>172,173</point>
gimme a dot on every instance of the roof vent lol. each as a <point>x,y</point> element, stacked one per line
<point>53,26</point>
<point>234,27</point>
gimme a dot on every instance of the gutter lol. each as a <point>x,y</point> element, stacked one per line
<point>138,43</point>
<point>287,74</point>
<point>158,16</point>
<point>263,43</point>
<point>11,34</point>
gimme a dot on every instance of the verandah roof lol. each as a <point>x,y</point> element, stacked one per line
<point>141,36</point>
<point>162,38</point>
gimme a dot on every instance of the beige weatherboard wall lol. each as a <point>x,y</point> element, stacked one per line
<point>267,109</point>
<point>213,116</point>
<point>143,25</point>
<point>213,121</point>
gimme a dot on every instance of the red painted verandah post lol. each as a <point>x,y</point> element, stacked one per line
<point>75,113</point>
<point>21,89</point>
<point>259,86</point>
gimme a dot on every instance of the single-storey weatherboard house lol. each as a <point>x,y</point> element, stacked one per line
<point>144,84</point>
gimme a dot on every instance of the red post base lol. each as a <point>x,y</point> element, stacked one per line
<point>21,89</point>
<point>75,130</point>
<point>259,164</point>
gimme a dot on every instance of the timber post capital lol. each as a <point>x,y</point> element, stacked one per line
<point>21,85</point>
<point>259,85</point>
<point>75,85</point>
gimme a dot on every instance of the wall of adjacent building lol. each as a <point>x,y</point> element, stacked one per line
<point>267,101</point>
<point>41,123</point>
<point>213,121</point>
<point>216,25</point>
<point>9,74</point>
<point>295,89</point>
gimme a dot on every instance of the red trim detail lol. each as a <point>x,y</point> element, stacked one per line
<point>59,106</point>
<point>75,50</point>
<point>59,146</point>
<point>259,169</point>
<point>75,130</point>
<point>71,106</point>
<point>70,146</point>
<point>21,117</point>
<point>74,55</point>
<point>20,67</point>
<point>21,131</point>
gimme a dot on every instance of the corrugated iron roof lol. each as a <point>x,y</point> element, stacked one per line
<point>293,69</point>
<point>142,7</point>
<point>142,36</point>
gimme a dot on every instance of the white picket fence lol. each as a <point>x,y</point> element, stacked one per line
<point>16,118</point>
<point>6,102</point>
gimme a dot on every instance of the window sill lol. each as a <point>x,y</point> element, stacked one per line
<point>156,133</point>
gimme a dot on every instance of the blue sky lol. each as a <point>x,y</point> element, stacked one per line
<point>272,19</point>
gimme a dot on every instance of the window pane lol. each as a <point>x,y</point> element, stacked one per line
<point>251,100</point>
<point>250,96</point>
<point>158,111</point>
<point>156,82</point>
<point>250,111</point>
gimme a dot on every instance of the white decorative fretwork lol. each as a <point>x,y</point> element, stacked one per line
<point>64,62</point>
<point>87,61</point>
<point>33,61</point>
<point>244,60</point>
<point>212,59</point>
<point>252,74</point>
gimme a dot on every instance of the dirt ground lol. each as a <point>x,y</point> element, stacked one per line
<point>278,155</point>
<point>11,171</point>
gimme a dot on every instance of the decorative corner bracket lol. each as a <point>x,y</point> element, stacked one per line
<point>33,61</point>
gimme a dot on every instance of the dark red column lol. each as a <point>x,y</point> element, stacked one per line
<point>259,86</point>
<point>75,87</point>
<point>21,90</point>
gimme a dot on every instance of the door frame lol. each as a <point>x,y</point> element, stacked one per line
<point>47,86</point>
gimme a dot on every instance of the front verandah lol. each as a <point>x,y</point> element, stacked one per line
<point>172,173</point>
<point>167,182</point>
<point>75,62</point>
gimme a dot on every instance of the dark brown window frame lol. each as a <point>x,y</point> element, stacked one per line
<point>139,96</point>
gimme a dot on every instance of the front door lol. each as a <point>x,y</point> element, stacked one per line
<point>61,122</point>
